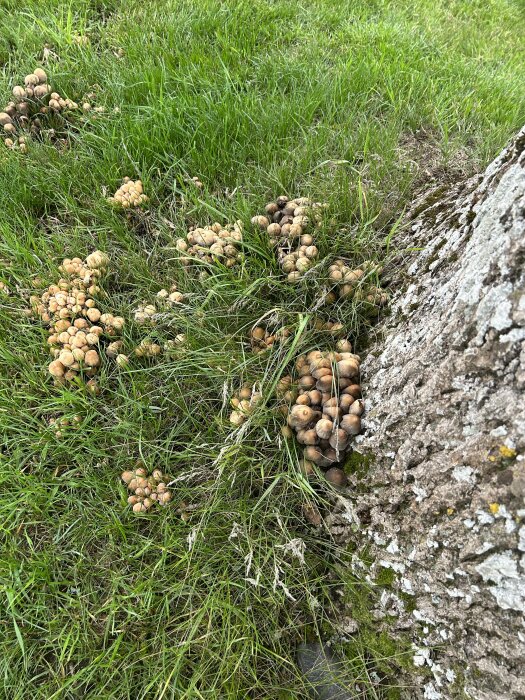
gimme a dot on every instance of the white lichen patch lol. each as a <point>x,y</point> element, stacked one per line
<point>464,474</point>
<point>502,569</point>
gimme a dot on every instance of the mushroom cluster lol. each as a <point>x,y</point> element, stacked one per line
<point>349,283</point>
<point>261,339</point>
<point>32,101</point>
<point>63,424</point>
<point>287,223</point>
<point>326,413</point>
<point>244,403</point>
<point>171,297</point>
<point>174,344</point>
<point>145,313</point>
<point>215,243</point>
<point>146,490</point>
<point>77,325</point>
<point>335,328</point>
<point>148,348</point>
<point>129,195</point>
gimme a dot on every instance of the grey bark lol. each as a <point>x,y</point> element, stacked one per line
<point>445,424</point>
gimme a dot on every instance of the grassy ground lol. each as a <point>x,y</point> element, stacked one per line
<point>354,103</point>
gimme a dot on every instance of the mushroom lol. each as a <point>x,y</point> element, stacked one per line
<point>301,416</point>
<point>307,437</point>
<point>351,424</point>
<point>336,476</point>
<point>324,428</point>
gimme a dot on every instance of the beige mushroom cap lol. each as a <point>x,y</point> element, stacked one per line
<point>56,368</point>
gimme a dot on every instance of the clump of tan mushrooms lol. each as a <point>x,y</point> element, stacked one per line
<point>146,490</point>
<point>147,348</point>
<point>33,102</point>
<point>147,313</point>
<point>288,223</point>
<point>77,326</point>
<point>350,283</point>
<point>261,339</point>
<point>335,328</point>
<point>326,408</point>
<point>129,195</point>
<point>174,344</point>
<point>244,403</point>
<point>170,297</point>
<point>63,423</point>
<point>215,243</point>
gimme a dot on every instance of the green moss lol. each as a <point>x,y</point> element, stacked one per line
<point>385,577</point>
<point>358,464</point>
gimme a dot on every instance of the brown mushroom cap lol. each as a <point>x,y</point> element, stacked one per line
<point>336,476</point>
<point>307,437</point>
<point>357,408</point>
<point>353,390</point>
<point>40,74</point>
<point>351,424</point>
<point>56,368</point>
<point>260,221</point>
<point>324,428</point>
<point>348,368</point>
<point>306,467</point>
<point>314,454</point>
<point>92,358</point>
<point>339,439</point>
<point>307,382</point>
<point>345,401</point>
<point>300,416</point>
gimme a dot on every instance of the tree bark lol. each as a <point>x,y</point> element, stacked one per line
<point>445,425</point>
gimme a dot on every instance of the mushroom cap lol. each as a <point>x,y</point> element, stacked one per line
<point>345,402</point>
<point>333,411</point>
<point>306,382</point>
<point>357,408</point>
<point>91,358</point>
<point>300,416</point>
<point>258,333</point>
<point>315,397</point>
<point>351,424</point>
<point>353,390</point>
<point>325,383</point>
<point>56,368</point>
<point>236,418</point>
<point>306,467</point>
<point>314,454</point>
<point>343,345</point>
<point>339,439</point>
<point>307,437</point>
<point>324,428</point>
<point>40,74</point>
<point>348,368</point>
<point>97,259</point>
<point>303,400</point>
<point>336,476</point>
<point>260,221</point>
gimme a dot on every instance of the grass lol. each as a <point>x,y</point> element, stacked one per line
<point>354,103</point>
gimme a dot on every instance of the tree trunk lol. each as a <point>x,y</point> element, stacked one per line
<point>445,424</point>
